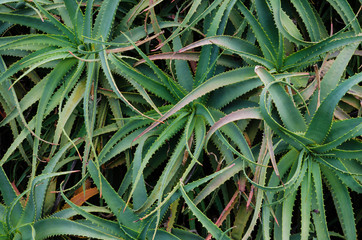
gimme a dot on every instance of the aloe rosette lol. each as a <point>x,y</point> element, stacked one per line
<point>322,150</point>
<point>306,146</point>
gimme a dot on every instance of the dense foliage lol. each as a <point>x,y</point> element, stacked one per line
<point>222,119</point>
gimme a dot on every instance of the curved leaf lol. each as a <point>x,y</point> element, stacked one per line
<point>45,26</point>
<point>287,110</point>
<point>343,204</point>
<point>322,119</point>
<point>235,45</point>
<point>246,113</point>
<point>210,226</point>
<point>50,227</point>
<point>318,203</point>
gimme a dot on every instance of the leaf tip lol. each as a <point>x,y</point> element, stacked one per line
<point>258,67</point>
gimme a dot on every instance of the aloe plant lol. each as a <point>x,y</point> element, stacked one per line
<point>306,159</point>
<point>274,29</point>
<point>182,123</point>
<point>327,151</point>
<point>75,51</point>
<point>143,129</point>
<point>72,50</point>
<point>23,217</point>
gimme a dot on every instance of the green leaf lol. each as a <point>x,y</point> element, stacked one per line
<point>8,194</point>
<point>235,45</point>
<point>183,234</point>
<point>343,204</point>
<point>265,43</point>
<point>319,217</point>
<point>110,227</point>
<point>124,214</point>
<point>309,54</point>
<point>206,222</point>
<point>131,74</point>
<point>215,183</point>
<point>107,151</point>
<point>209,54</point>
<point>111,81</point>
<point>70,212</point>
<point>50,227</point>
<point>246,113</point>
<point>64,29</point>
<point>34,42</point>
<point>225,60</point>
<point>297,141</point>
<point>105,18</point>
<point>76,16</point>
<point>311,20</point>
<point>176,193</point>
<point>25,62</point>
<point>287,213</point>
<point>306,205</point>
<point>340,132</point>
<point>140,193</point>
<point>285,25</point>
<point>69,107</point>
<point>56,76</point>
<point>160,234</point>
<point>34,22</point>
<point>208,86</point>
<point>182,68</point>
<point>322,119</point>
<point>194,16</point>
<point>40,191</point>
<point>348,171</point>
<point>30,98</point>
<point>235,134</point>
<point>173,87</point>
<point>226,95</point>
<point>265,18</point>
<point>288,112</point>
<point>166,134</point>
<point>284,164</point>
<point>88,17</point>
<point>346,12</point>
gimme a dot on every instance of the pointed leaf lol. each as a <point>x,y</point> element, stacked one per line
<point>206,222</point>
<point>322,119</point>
<point>289,114</point>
